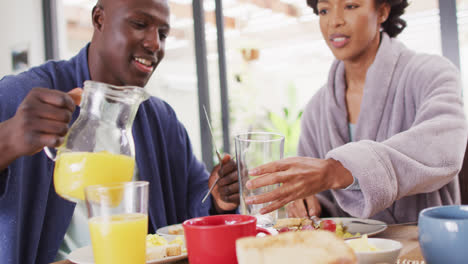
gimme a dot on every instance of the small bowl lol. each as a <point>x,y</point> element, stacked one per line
<point>388,252</point>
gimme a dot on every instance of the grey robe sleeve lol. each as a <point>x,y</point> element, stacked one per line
<point>421,159</point>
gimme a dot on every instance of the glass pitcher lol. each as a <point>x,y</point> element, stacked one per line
<point>98,148</point>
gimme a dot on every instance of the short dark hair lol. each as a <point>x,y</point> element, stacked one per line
<point>394,24</point>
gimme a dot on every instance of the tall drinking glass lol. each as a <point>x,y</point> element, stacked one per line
<point>118,221</point>
<point>252,150</point>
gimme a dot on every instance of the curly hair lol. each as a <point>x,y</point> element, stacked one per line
<point>394,25</point>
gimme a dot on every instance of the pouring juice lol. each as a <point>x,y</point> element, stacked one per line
<point>76,170</point>
<point>98,148</point>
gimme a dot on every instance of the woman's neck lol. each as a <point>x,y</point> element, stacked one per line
<point>356,68</point>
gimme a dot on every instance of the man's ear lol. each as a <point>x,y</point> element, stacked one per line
<point>98,17</point>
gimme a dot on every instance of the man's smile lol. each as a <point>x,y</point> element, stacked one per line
<point>144,65</point>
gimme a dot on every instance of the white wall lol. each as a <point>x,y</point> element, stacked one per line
<point>21,24</point>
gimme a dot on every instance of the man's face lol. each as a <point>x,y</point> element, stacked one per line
<point>131,39</point>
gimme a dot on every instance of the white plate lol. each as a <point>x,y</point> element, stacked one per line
<point>363,229</point>
<point>164,231</point>
<point>84,255</point>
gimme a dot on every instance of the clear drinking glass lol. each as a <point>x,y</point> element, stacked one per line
<point>98,148</point>
<point>252,150</point>
<point>118,221</point>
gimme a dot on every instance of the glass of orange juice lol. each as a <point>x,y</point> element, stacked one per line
<point>118,221</point>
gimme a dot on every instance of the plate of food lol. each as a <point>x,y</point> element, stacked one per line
<point>158,250</point>
<point>344,227</point>
<point>369,227</point>
<point>171,230</point>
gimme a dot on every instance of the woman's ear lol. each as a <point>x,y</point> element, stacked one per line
<point>98,17</point>
<point>384,12</point>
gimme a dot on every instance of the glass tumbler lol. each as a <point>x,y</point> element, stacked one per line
<point>118,221</point>
<point>252,150</point>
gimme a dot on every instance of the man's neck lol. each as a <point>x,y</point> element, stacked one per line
<point>97,70</point>
<point>92,61</point>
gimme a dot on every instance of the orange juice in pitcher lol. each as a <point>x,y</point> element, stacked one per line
<point>76,170</point>
<point>98,148</point>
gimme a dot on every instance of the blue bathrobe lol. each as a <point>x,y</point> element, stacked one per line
<point>34,219</point>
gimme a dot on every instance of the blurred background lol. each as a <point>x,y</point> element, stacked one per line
<point>254,70</point>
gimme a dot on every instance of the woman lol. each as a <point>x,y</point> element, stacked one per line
<point>385,137</point>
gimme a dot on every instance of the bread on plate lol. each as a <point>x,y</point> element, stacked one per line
<point>304,247</point>
<point>292,223</point>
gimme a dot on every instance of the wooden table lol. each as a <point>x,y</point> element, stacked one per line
<point>407,235</point>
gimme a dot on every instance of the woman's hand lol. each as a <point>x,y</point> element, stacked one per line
<point>304,207</point>
<point>299,177</point>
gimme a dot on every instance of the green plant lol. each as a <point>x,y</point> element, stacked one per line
<point>288,122</point>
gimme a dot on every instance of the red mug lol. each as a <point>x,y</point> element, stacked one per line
<point>212,239</point>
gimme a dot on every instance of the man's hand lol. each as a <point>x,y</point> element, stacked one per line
<point>304,207</point>
<point>41,120</point>
<point>226,191</point>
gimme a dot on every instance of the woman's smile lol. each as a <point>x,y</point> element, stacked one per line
<point>339,40</point>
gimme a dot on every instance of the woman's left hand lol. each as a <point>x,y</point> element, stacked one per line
<point>299,177</point>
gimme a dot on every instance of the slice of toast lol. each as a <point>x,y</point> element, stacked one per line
<point>173,250</point>
<point>163,251</point>
<point>176,230</point>
<point>304,247</point>
<point>288,222</point>
<point>155,252</point>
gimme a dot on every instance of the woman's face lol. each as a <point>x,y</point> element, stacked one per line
<point>351,27</point>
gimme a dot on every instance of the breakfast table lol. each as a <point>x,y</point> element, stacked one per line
<point>407,235</point>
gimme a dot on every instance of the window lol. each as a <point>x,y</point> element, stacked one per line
<point>276,60</point>
<point>462,16</point>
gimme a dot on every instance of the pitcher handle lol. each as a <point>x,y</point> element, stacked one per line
<point>262,230</point>
<point>51,154</point>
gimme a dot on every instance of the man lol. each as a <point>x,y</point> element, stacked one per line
<point>126,47</point>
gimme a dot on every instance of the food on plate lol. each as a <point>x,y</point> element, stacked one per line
<point>318,246</point>
<point>156,252</point>
<point>341,231</point>
<point>176,230</point>
<point>328,225</point>
<point>362,245</point>
<point>173,250</point>
<point>154,240</point>
<point>158,247</point>
<point>291,222</point>
<point>299,224</point>
<point>179,240</point>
